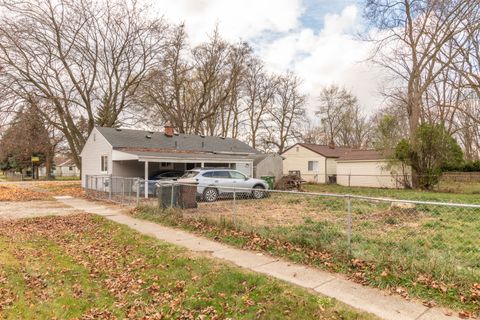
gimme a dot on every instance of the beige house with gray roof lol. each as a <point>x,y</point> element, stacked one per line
<point>345,166</point>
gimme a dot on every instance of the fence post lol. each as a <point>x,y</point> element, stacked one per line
<point>171,195</point>
<point>234,211</point>
<point>349,175</point>
<point>86,183</point>
<point>138,191</point>
<point>96,187</point>
<point>123,190</point>
<point>349,225</point>
<point>110,189</point>
<point>130,190</point>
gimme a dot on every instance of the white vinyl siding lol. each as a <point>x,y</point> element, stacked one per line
<point>372,173</point>
<point>91,155</point>
<point>298,158</point>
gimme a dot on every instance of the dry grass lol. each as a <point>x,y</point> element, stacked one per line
<point>16,193</point>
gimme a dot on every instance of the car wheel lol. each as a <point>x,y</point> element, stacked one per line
<point>258,192</point>
<point>210,194</point>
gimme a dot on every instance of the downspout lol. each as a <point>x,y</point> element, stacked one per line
<point>325,170</point>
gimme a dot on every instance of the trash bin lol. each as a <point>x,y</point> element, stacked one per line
<point>332,179</point>
<point>167,194</point>
<point>176,195</point>
<point>270,180</point>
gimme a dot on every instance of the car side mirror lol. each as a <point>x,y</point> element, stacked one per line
<point>247,178</point>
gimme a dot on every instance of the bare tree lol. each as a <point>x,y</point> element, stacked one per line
<point>259,94</point>
<point>196,90</point>
<point>415,45</point>
<point>285,117</point>
<point>336,113</point>
<point>82,58</point>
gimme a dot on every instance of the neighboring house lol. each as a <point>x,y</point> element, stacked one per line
<point>348,167</point>
<point>268,164</point>
<point>313,162</point>
<point>369,168</point>
<point>63,167</point>
<point>137,153</point>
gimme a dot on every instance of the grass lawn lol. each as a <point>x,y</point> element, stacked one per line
<point>85,266</point>
<point>470,197</point>
<point>428,252</point>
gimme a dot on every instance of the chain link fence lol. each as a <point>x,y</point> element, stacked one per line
<point>434,242</point>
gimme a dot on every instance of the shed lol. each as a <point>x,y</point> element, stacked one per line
<point>268,164</point>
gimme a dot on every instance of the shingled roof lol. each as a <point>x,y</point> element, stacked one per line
<point>364,155</point>
<point>140,139</point>
<point>323,150</point>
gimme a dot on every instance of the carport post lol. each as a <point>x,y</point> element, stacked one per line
<point>146,180</point>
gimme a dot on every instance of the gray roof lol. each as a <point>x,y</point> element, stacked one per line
<point>198,156</point>
<point>127,138</point>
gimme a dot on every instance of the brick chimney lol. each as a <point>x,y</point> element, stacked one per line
<point>168,129</point>
<point>331,144</point>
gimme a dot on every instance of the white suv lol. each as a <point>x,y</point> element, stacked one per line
<point>213,183</point>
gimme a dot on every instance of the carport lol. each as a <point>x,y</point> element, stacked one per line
<point>138,163</point>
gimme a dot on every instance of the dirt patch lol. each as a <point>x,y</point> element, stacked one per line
<point>264,212</point>
<point>18,210</point>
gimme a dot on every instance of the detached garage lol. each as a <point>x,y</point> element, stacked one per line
<point>368,168</point>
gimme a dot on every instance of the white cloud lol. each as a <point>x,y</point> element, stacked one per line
<point>331,56</point>
<point>243,19</point>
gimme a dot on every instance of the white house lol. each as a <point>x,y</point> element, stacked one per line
<point>138,153</point>
<point>63,167</point>
<point>313,162</point>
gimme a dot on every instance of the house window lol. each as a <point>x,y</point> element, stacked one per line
<point>298,149</point>
<point>165,164</point>
<point>104,163</point>
<point>312,165</point>
<point>70,168</point>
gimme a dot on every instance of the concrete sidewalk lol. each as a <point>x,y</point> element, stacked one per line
<point>363,298</point>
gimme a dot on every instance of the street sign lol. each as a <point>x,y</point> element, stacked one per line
<point>35,159</point>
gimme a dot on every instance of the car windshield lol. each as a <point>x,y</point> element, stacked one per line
<point>190,174</point>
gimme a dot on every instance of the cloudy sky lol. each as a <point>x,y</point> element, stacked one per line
<point>318,39</point>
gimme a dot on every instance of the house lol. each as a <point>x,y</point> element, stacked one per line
<point>63,166</point>
<point>345,166</point>
<point>138,153</point>
<point>370,168</point>
<point>313,162</point>
<point>267,164</point>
